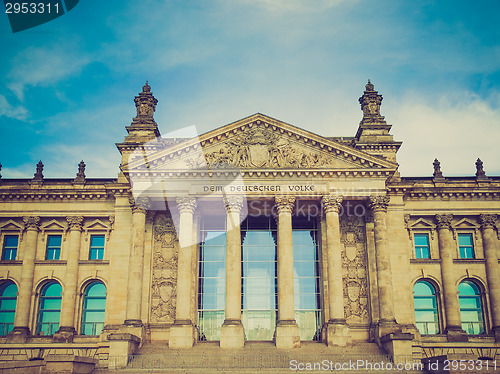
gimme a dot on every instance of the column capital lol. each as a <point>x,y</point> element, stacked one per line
<point>233,204</point>
<point>186,204</point>
<point>379,203</point>
<point>488,221</point>
<point>284,204</point>
<point>140,204</point>
<point>443,221</point>
<point>31,223</point>
<point>332,203</point>
<point>75,222</point>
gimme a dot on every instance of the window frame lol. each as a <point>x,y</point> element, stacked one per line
<point>84,296</point>
<point>92,235</point>
<point>472,246</point>
<point>4,240</point>
<point>428,245</point>
<point>4,284</point>
<point>479,296</point>
<point>47,239</point>
<point>41,298</point>
<point>437,309</point>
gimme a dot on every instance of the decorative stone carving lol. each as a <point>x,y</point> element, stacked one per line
<point>443,221</point>
<point>75,223</point>
<point>186,203</point>
<point>140,204</point>
<point>145,103</point>
<point>480,174</point>
<point>260,147</point>
<point>31,223</point>
<point>38,176</point>
<point>164,282</point>
<point>284,204</point>
<point>488,221</point>
<point>379,203</point>
<point>80,176</point>
<point>355,284</point>
<point>437,169</point>
<point>0,170</point>
<point>332,203</point>
<point>370,105</point>
<point>233,203</point>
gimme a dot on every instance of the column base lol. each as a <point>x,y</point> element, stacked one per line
<point>182,334</point>
<point>385,327</point>
<point>337,333</point>
<point>456,334</point>
<point>399,345</point>
<point>287,335</point>
<point>65,334</point>
<point>18,334</point>
<point>232,334</point>
<point>121,346</point>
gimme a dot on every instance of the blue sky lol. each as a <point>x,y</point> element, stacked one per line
<point>67,87</point>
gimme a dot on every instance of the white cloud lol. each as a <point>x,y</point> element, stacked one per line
<point>456,129</point>
<point>297,5</point>
<point>11,111</point>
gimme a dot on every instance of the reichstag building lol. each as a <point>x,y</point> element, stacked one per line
<point>257,231</point>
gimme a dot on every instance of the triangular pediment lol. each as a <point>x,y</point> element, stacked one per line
<point>11,225</point>
<point>53,225</point>
<point>96,225</point>
<point>257,142</point>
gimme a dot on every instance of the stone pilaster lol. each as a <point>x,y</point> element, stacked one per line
<point>453,327</point>
<point>182,333</point>
<point>378,206</point>
<point>232,332</point>
<point>21,322</point>
<point>337,331</point>
<point>67,325</point>
<point>490,243</point>
<point>287,330</point>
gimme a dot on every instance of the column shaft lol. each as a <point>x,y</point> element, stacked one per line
<point>23,307</point>
<point>67,328</point>
<point>490,244</point>
<point>450,292</point>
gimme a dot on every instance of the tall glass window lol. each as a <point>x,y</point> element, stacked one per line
<point>259,296</point>
<point>96,251</point>
<point>426,311</point>
<point>422,249</point>
<point>212,278</point>
<point>8,300</point>
<point>53,247</point>
<point>49,309</point>
<point>471,309</point>
<point>306,278</point>
<point>10,243</point>
<point>94,305</point>
<point>465,245</point>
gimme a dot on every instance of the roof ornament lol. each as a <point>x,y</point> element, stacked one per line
<point>0,170</point>
<point>437,169</point>
<point>38,176</point>
<point>80,176</point>
<point>369,86</point>
<point>146,87</point>
<point>480,174</point>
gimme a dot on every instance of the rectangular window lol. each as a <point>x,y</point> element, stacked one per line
<point>10,243</point>
<point>465,245</point>
<point>422,248</point>
<point>53,247</point>
<point>96,247</point>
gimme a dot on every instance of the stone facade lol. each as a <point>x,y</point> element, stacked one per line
<point>369,220</point>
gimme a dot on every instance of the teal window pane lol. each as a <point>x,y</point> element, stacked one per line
<point>96,251</point>
<point>54,241</point>
<point>10,244</point>
<point>94,305</point>
<point>52,289</point>
<point>468,289</point>
<point>426,312</point>
<point>8,300</point>
<point>466,246</point>
<point>49,309</point>
<point>8,290</point>
<point>8,303</point>
<point>97,241</point>
<point>422,239</point>
<point>422,249</point>
<point>471,311</point>
<point>53,247</point>
<point>11,240</point>
<point>465,239</point>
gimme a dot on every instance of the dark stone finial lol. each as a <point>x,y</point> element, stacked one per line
<point>437,169</point>
<point>369,86</point>
<point>38,176</point>
<point>480,174</point>
<point>80,176</point>
<point>146,87</point>
<point>0,170</point>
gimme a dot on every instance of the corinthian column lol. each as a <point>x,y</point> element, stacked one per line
<point>378,206</point>
<point>453,329</point>
<point>287,330</point>
<point>182,332</point>
<point>21,322</point>
<point>337,330</point>
<point>232,332</point>
<point>490,243</point>
<point>136,261</point>
<point>67,327</point>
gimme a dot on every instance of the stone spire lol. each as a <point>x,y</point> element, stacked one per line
<point>370,105</point>
<point>80,176</point>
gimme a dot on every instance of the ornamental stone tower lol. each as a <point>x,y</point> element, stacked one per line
<point>373,132</point>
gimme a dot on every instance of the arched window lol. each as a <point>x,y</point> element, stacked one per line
<point>49,309</point>
<point>426,312</point>
<point>94,304</point>
<point>471,309</point>
<point>8,300</point>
